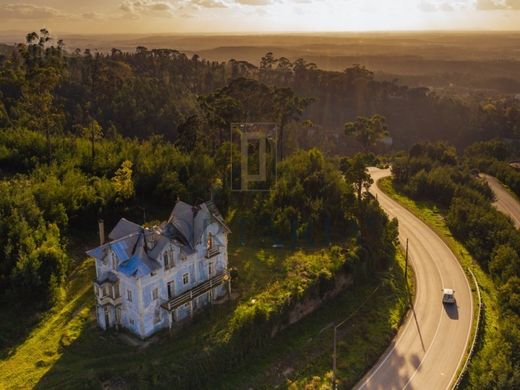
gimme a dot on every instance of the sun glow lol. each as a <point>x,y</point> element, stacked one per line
<point>170,16</point>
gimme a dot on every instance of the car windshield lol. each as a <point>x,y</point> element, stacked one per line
<point>447,296</point>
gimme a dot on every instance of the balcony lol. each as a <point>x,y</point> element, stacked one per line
<point>195,292</point>
<point>109,300</point>
<point>107,292</point>
<point>212,252</point>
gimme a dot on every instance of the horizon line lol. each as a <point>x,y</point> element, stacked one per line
<point>274,32</point>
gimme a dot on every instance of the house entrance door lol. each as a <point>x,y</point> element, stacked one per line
<point>171,289</point>
<point>107,318</point>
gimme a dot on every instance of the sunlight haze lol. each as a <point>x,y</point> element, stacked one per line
<point>181,16</point>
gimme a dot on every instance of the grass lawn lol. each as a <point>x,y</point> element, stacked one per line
<point>435,218</point>
<point>67,350</point>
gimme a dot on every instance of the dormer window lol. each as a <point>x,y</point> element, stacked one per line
<point>168,259</point>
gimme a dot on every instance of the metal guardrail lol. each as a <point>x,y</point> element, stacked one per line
<point>475,337</point>
<point>195,292</point>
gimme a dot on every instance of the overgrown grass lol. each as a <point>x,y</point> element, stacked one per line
<point>435,218</point>
<point>301,356</point>
<point>67,350</point>
<point>44,345</point>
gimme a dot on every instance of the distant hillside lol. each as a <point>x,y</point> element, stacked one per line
<point>453,62</point>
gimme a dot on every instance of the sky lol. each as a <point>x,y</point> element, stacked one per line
<point>222,16</point>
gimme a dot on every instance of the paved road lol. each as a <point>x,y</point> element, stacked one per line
<point>430,345</point>
<point>505,202</point>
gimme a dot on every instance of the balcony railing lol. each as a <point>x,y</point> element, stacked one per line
<point>109,300</point>
<point>211,252</point>
<point>195,292</point>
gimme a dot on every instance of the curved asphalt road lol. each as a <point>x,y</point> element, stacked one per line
<point>505,202</point>
<point>430,345</point>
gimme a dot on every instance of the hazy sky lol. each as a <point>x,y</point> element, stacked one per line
<point>160,16</point>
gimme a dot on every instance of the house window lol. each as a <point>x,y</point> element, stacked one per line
<point>155,294</point>
<point>210,242</point>
<point>129,295</point>
<point>116,291</point>
<point>211,268</point>
<point>157,317</point>
<point>105,291</point>
<point>131,321</point>
<point>168,259</point>
<point>114,261</point>
<point>185,278</point>
<point>211,248</point>
<point>165,259</point>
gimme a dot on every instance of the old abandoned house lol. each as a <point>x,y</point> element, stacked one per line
<point>150,278</point>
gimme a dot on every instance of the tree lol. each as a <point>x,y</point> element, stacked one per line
<point>287,107</point>
<point>367,130</point>
<point>187,134</point>
<point>355,172</point>
<point>93,132</point>
<point>123,183</point>
<point>37,110</point>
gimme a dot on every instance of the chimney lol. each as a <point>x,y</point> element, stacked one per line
<point>101,225</point>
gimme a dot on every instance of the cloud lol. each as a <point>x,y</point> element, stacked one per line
<point>254,2</point>
<point>429,6</point>
<point>486,5</point>
<point>209,3</point>
<point>490,5</point>
<point>29,11</point>
<point>426,6</point>
<point>137,8</point>
<point>92,16</point>
<point>513,4</point>
<point>447,7</point>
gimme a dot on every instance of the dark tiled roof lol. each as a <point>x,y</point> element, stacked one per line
<point>130,241</point>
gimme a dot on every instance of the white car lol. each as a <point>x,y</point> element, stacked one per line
<point>448,295</point>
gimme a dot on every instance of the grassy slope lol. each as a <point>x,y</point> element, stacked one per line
<point>434,217</point>
<point>67,350</point>
<point>302,355</point>
<point>44,345</point>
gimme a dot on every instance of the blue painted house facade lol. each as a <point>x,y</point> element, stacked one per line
<point>148,279</point>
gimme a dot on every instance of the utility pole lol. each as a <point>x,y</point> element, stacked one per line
<point>334,360</point>
<point>406,264</point>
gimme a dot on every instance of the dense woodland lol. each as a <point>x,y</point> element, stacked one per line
<point>434,172</point>
<point>88,135</point>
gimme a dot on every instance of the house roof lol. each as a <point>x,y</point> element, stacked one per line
<point>131,243</point>
<point>191,221</point>
<point>123,228</point>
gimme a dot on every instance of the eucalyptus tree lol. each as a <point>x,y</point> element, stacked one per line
<point>367,130</point>
<point>287,108</point>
